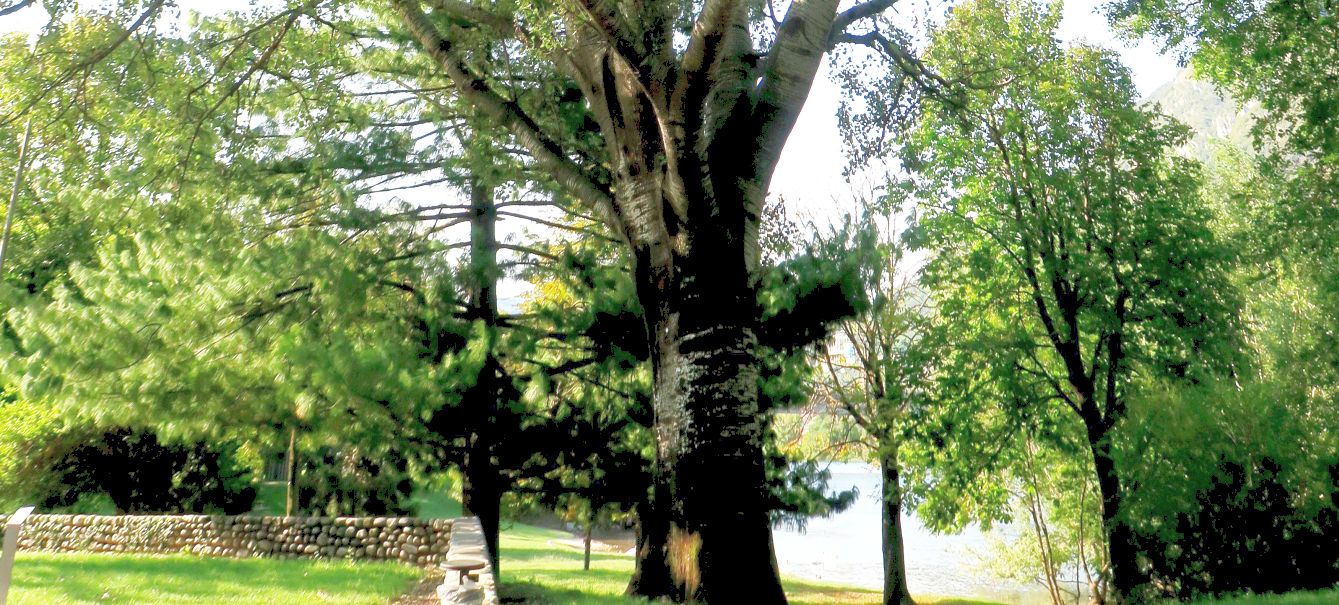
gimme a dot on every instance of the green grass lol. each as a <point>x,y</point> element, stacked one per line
<point>271,498</point>
<point>435,503</point>
<point>536,567</point>
<point>1323,597</point>
<point>77,579</point>
<point>540,570</point>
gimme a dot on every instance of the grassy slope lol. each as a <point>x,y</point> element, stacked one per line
<point>69,579</point>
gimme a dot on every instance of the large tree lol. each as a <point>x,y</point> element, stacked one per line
<point>691,135</point>
<point>1059,221</point>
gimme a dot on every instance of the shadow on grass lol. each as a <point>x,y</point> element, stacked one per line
<point>533,593</point>
<point>538,568</point>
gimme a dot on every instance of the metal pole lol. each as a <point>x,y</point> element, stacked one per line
<point>14,201</point>
<point>11,546</point>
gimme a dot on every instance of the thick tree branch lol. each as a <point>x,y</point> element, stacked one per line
<point>695,69</point>
<point>864,10</point>
<point>606,22</point>
<point>788,74</point>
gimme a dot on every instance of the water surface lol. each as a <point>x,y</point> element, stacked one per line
<point>846,549</point>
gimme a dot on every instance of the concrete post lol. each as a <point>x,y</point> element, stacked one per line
<point>11,547</point>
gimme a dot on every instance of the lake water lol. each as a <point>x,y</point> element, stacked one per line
<point>846,549</point>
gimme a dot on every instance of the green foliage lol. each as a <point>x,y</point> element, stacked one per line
<point>1280,53</point>
<point>348,483</point>
<point>1069,252</point>
<point>72,466</point>
<point>1254,465</point>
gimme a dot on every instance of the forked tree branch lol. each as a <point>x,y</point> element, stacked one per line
<point>702,55</point>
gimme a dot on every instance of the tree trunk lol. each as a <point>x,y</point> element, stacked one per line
<point>651,576</point>
<point>709,431</point>
<point>585,561</point>
<point>14,194</point>
<point>895,590</point>
<point>1124,564</point>
<point>481,491</point>
<point>481,494</point>
<point>291,474</point>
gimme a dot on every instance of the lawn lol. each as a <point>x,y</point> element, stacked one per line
<point>542,571</point>
<point>1324,597</point>
<point>538,569</point>
<point>76,579</point>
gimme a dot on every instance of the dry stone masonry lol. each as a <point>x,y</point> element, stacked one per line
<point>421,542</point>
<point>468,546</point>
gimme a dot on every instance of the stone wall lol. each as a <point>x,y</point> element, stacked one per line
<point>468,545</point>
<point>415,541</point>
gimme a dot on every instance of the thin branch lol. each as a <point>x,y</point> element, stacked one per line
<point>87,62</point>
<point>14,8</point>
<point>480,94</point>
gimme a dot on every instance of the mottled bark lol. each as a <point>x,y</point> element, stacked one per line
<point>710,432</point>
<point>651,576</point>
<point>895,590</point>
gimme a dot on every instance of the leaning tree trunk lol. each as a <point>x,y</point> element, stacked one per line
<point>1121,547</point>
<point>895,590</point>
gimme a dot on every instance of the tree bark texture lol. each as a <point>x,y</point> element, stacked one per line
<point>895,590</point>
<point>651,575</point>
<point>710,434</point>
<point>291,474</point>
